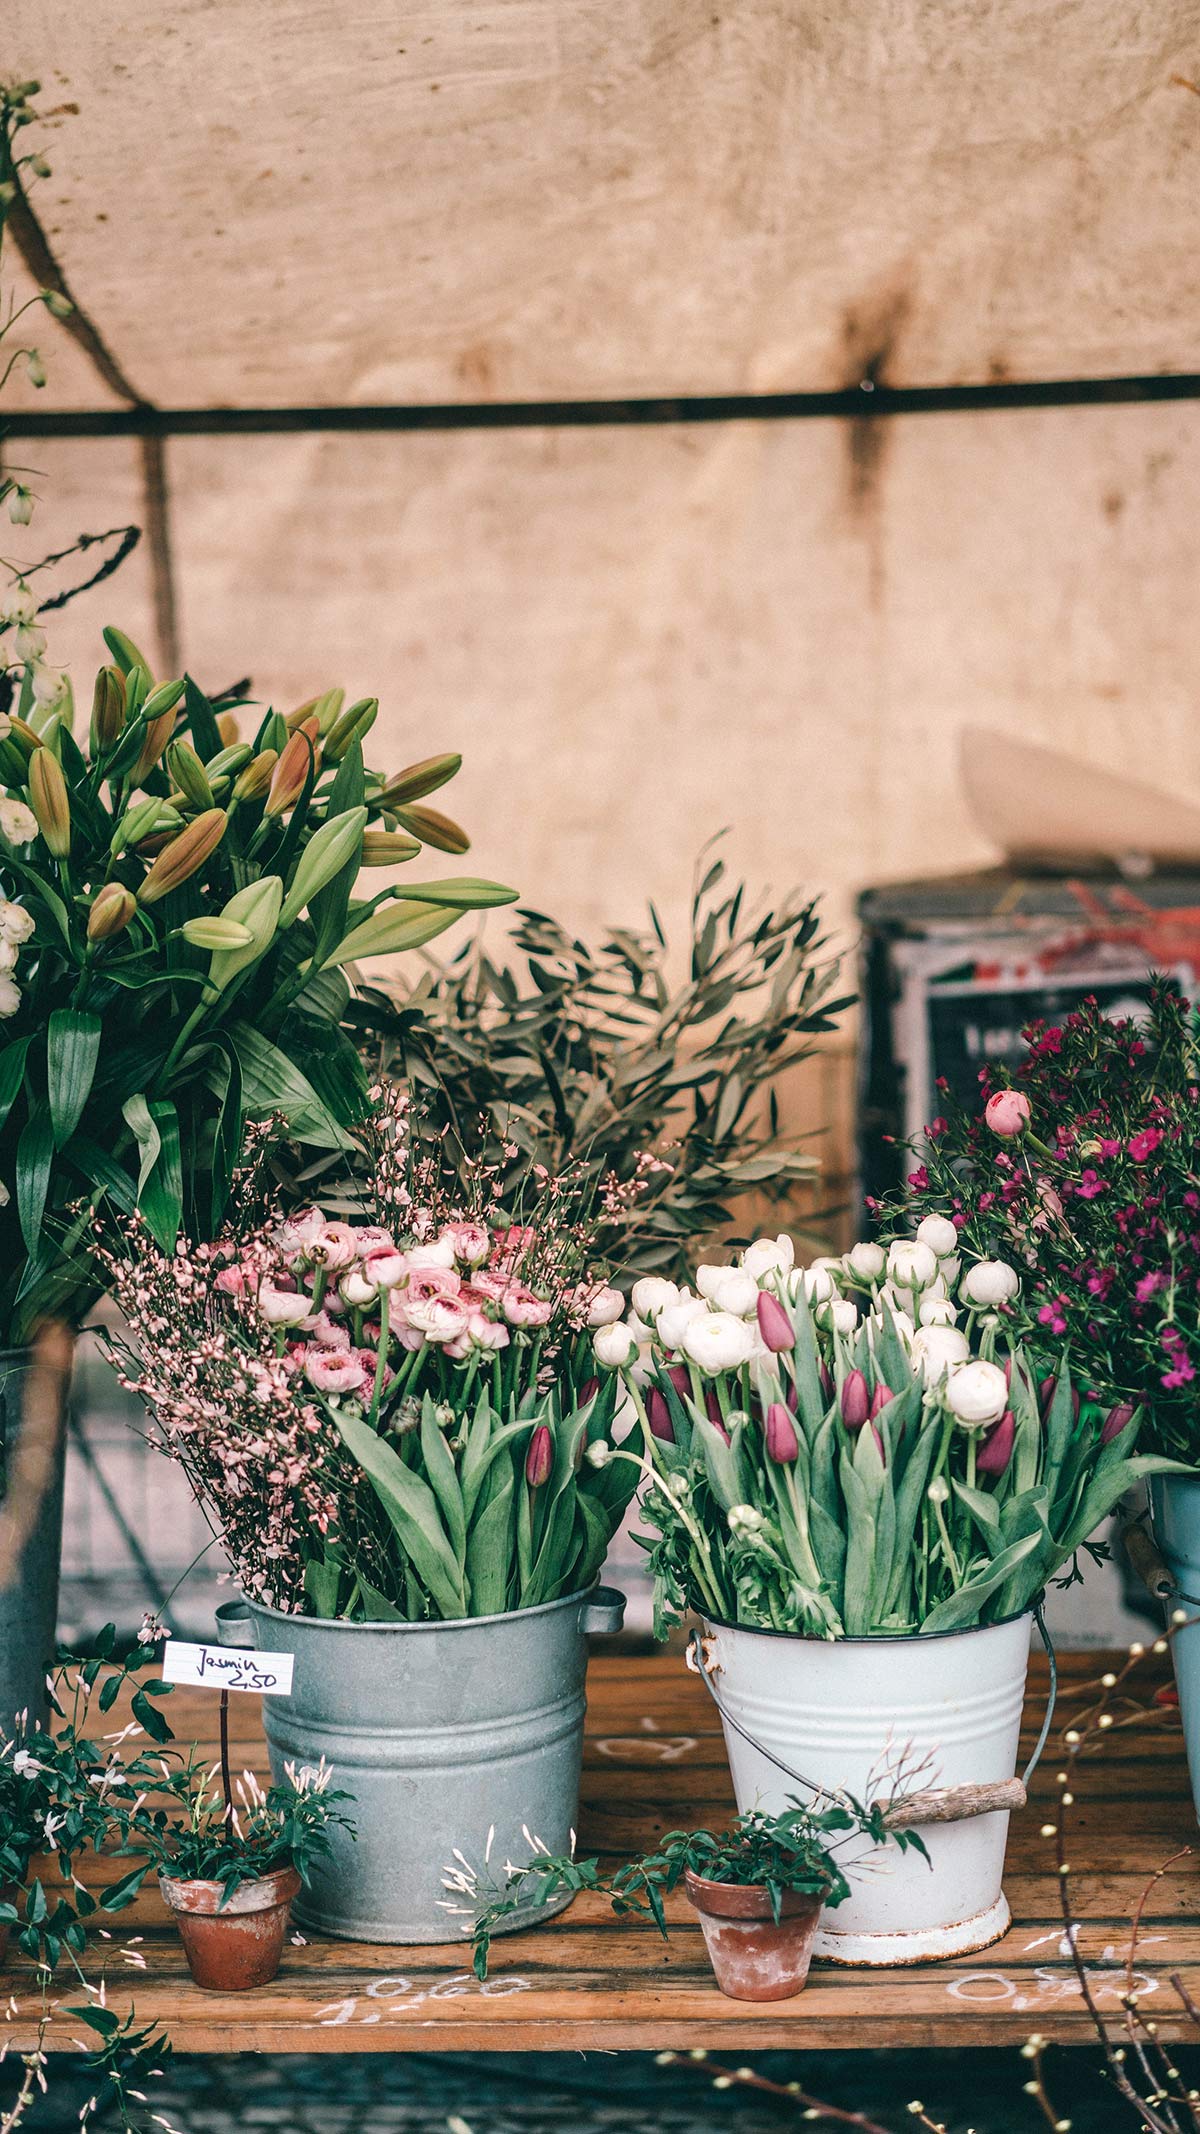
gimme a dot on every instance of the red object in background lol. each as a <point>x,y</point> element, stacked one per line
<point>1167,1697</point>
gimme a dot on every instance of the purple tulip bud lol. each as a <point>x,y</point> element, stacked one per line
<point>1046,1392</point>
<point>856,1400</point>
<point>774,1324</point>
<point>712,1408</point>
<point>540,1457</point>
<point>783,1446</point>
<point>588,1391</point>
<point>880,1399</point>
<point>879,1443</point>
<point>658,1415</point>
<point>996,1449</point>
<point>826,1377</point>
<point>1117,1419</point>
<point>680,1379</point>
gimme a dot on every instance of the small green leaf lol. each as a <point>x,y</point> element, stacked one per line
<point>72,1049</point>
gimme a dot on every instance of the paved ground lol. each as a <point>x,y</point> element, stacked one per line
<point>600,2094</point>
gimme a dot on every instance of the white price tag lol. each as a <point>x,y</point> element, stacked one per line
<point>228,1667</point>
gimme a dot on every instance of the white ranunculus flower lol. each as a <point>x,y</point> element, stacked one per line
<point>840,1314</point>
<point>730,1289</point>
<point>990,1282</point>
<point>674,1319</point>
<point>745,1519</point>
<point>911,1265</point>
<point>651,1293</point>
<point>936,1310</point>
<point>816,1282</point>
<point>939,1233</point>
<point>439,1254</point>
<point>10,995</point>
<point>977,1394</point>
<point>950,1271</point>
<point>16,924</point>
<point>605,1306</point>
<point>614,1346</point>
<point>939,1349</point>
<point>17,822</point>
<point>717,1341</point>
<point>769,1255</point>
<point>866,1261</point>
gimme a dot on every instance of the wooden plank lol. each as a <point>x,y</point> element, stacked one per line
<point>587,1981</point>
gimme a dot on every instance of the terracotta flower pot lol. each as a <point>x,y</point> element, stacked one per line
<point>232,1946</point>
<point>754,1957</point>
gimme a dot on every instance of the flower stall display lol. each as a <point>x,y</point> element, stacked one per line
<point>396,1428</point>
<point>759,1889</point>
<point>859,1484</point>
<point>1081,1166</point>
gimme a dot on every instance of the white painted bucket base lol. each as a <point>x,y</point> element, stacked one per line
<point>961,1939</point>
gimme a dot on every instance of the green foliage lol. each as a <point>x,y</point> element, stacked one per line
<point>218,1840</point>
<point>792,1851</point>
<point>139,1044</point>
<point>600,1054</point>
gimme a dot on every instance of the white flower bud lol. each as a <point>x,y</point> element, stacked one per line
<point>614,1346</point>
<point>910,1264</point>
<point>651,1293</point>
<point>939,1233</point>
<point>990,1282</point>
<point>719,1342</point>
<point>977,1394</point>
<point>769,1255</point>
<point>936,1310</point>
<point>745,1519</point>
<point>939,1349</point>
<point>866,1261</point>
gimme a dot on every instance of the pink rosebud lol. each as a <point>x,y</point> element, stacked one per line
<point>658,1415</point>
<point>1007,1112</point>
<point>880,1399</point>
<point>540,1457</point>
<point>783,1446</point>
<point>856,1400</point>
<point>774,1324</point>
<point>996,1449</point>
<point>1117,1419</point>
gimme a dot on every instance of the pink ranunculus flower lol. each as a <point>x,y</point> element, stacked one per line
<point>231,1282</point>
<point>522,1308</point>
<point>283,1307</point>
<point>1007,1112</point>
<point>300,1232</point>
<point>469,1242</point>
<point>328,1334</point>
<point>485,1283</point>
<point>426,1282</point>
<point>385,1266</point>
<point>425,1257</point>
<point>438,1318</point>
<point>333,1371</point>
<point>335,1248</point>
<point>487,1333</point>
<point>356,1289</point>
<point>603,1305</point>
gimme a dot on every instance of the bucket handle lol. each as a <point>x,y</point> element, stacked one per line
<point>942,1804</point>
<point>1142,1551</point>
<point>603,1611</point>
<point>234,1626</point>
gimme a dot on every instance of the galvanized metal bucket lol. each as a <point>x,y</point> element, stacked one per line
<point>1175,1513</point>
<point>444,1733</point>
<point>935,1717</point>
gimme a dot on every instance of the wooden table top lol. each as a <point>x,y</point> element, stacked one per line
<point>654,1761</point>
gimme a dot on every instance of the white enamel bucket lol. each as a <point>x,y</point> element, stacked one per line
<point>875,1717</point>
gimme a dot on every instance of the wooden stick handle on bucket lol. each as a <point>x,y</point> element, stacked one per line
<point>953,1804</point>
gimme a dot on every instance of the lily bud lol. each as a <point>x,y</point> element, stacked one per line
<point>228,761</point>
<point>419,779</point>
<point>388,848</point>
<point>325,855</point>
<point>256,778</point>
<point>855,1401</point>
<point>290,775</point>
<point>256,907</point>
<point>20,731</point>
<point>124,651</point>
<point>324,709</point>
<point>108,709</point>
<point>353,725</point>
<point>774,1324</point>
<point>154,740</point>
<point>432,828</point>
<point>996,1450</point>
<point>540,1457</point>
<point>137,823</point>
<point>50,801</point>
<point>396,927</point>
<point>189,774</point>
<point>783,1445</point>
<point>184,856</point>
<point>227,727</point>
<point>112,909</point>
<point>216,934</point>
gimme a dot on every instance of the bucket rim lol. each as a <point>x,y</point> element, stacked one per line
<point>456,1622</point>
<point>883,1637</point>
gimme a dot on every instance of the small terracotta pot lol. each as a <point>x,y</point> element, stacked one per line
<point>232,1946</point>
<point>755,1958</point>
